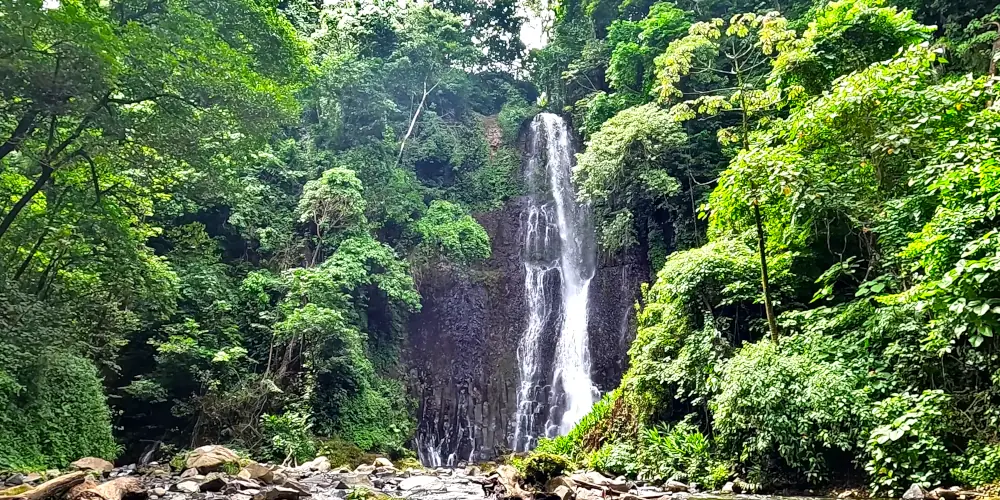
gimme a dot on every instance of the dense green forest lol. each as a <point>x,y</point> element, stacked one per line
<point>216,214</point>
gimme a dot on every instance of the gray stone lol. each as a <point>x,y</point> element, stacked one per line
<point>916,492</point>
<point>188,486</point>
<point>318,464</point>
<point>382,462</point>
<point>675,486</point>
<point>365,469</point>
<point>943,494</point>
<point>421,483</point>
<point>277,493</point>
<point>159,491</point>
<point>15,480</point>
<point>33,477</point>
<point>731,488</point>
<point>189,473</point>
<point>564,493</point>
<point>214,482</point>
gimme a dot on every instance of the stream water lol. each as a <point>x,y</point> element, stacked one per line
<point>559,257</point>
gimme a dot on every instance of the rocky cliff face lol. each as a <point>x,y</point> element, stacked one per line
<point>461,350</point>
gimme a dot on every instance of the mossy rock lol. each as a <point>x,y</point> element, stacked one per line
<point>538,468</point>
<point>409,463</point>
<point>342,453</point>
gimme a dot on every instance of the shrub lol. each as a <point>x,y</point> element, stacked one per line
<point>344,453</point>
<point>539,467</point>
<point>981,466</point>
<point>801,410</point>
<point>288,435</point>
<point>58,415</point>
<point>908,444</point>
<point>681,453</point>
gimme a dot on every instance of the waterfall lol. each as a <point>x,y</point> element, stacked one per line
<point>559,260</point>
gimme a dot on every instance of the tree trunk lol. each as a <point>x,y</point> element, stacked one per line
<point>23,201</point>
<point>23,128</point>
<point>52,488</point>
<point>768,308</point>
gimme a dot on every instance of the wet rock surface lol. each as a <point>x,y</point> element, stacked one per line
<point>461,353</point>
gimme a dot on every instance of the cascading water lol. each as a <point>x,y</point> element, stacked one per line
<point>558,238</point>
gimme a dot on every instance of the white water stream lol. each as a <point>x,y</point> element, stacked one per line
<point>558,238</point>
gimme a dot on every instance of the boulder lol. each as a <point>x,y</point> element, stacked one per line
<point>15,480</point>
<point>731,488</point>
<point>675,486</point>
<point>564,493</point>
<point>318,464</point>
<point>473,470</point>
<point>421,483</point>
<point>214,482</point>
<point>51,473</point>
<point>382,462</point>
<point>188,486</point>
<point>277,493</point>
<point>210,458</point>
<point>556,482</point>
<point>34,477</point>
<point>356,480</point>
<point>588,494</point>
<point>189,473</point>
<point>847,494</point>
<point>259,472</point>
<point>943,494</point>
<point>915,492</point>
<point>364,469</point>
<point>596,480</point>
<point>159,491</point>
<point>93,463</point>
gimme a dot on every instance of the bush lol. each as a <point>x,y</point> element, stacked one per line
<point>344,453</point>
<point>981,466</point>
<point>787,405</point>
<point>54,412</point>
<point>680,453</point>
<point>539,467</point>
<point>288,435</point>
<point>908,444</point>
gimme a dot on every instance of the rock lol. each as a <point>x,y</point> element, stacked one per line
<point>159,491</point>
<point>421,483</point>
<point>916,492</point>
<point>382,462</point>
<point>93,463</point>
<point>564,493</point>
<point>277,493</point>
<point>303,491</point>
<point>943,494</point>
<point>318,464</point>
<point>356,480</point>
<point>473,470</point>
<point>189,473</point>
<point>34,477</point>
<point>244,475</point>
<point>241,496</point>
<point>259,472</point>
<point>16,480</point>
<point>681,495</point>
<point>188,486</point>
<point>731,488</point>
<point>51,473</point>
<point>628,496</point>
<point>278,478</point>
<point>364,469</point>
<point>595,480</point>
<point>848,494</point>
<point>675,486</point>
<point>588,494</point>
<point>210,458</point>
<point>556,482</point>
<point>214,482</point>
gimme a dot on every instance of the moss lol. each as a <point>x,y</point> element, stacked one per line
<point>408,463</point>
<point>538,468</point>
<point>179,461</point>
<point>16,490</point>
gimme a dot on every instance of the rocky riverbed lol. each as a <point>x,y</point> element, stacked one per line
<point>215,473</point>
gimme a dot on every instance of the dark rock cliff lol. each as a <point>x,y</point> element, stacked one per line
<point>461,352</point>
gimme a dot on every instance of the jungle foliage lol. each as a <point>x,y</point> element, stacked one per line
<point>817,192</point>
<point>212,213</point>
